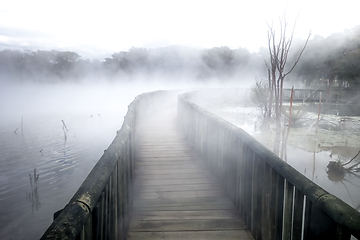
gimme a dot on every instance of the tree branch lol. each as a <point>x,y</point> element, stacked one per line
<point>297,60</point>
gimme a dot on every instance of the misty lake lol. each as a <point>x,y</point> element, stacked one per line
<point>32,137</point>
<point>307,155</point>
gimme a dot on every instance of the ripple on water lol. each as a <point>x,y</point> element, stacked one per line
<point>62,165</point>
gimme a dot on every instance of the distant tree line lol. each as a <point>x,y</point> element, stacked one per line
<point>332,59</point>
<point>173,62</point>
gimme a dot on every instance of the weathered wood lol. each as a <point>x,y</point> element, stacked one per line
<point>178,194</point>
<point>172,166</point>
<point>172,176</point>
<point>193,207</point>
<point>298,214</point>
<point>167,159</point>
<point>175,195</point>
<point>261,193</point>
<point>187,225</point>
<point>162,163</point>
<point>288,214</point>
<point>166,154</point>
<point>174,147</point>
<point>181,202</point>
<point>181,215</point>
<point>161,143</point>
<point>182,187</point>
<point>175,181</point>
<point>170,171</point>
<point>199,235</point>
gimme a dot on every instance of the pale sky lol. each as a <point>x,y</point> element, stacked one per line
<point>99,28</point>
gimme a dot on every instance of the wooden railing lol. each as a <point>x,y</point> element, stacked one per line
<point>335,95</point>
<point>275,200</point>
<point>101,208</point>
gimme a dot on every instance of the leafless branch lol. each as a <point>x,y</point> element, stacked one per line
<point>298,58</point>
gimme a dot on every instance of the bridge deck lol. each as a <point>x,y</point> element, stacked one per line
<point>175,195</point>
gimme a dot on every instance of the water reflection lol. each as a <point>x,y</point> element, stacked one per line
<point>309,151</point>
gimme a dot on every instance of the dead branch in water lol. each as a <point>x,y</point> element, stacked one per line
<point>317,122</point>
<point>353,166</point>
<point>337,170</point>
<point>65,130</point>
<point>310,94</point>
<point>352,159</point>
<point>64,126</point>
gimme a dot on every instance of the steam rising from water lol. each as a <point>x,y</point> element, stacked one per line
<point>92,111</point>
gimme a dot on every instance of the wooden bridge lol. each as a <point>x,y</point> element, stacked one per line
<point>184,173</point>
<point>175,195</point>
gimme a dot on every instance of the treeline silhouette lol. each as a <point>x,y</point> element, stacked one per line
<point>171,61</point>
<point>336,57</point>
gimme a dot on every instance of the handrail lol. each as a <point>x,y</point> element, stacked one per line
<point>335,95</point>
<point>275,200</point>
<point>100,209</point>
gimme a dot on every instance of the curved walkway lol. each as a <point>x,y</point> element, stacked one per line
<point>175,196</point>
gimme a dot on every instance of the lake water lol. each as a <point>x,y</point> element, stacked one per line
<point>32,136</point>
<point>306,155</point>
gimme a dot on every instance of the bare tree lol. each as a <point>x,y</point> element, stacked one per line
<point>279,49</point>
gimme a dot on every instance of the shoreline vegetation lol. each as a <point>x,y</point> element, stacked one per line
<point>332,59</point>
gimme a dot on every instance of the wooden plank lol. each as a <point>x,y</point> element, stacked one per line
<point>173,182</point>
<point>176,151</point>
<point>175,162</point>
<point>187,225</point>
<point>173,166</point>
<point>167,158</point>
<point>197,207</point>
<point>178,194</point>
<point>175,196</point>
<point>199,235</point>
<point>175,147</point>
<point>172,176</point>
<point>181,201</point>
<point>159,135</point>
<point>203,214</point>
<point>170,171</point>
<point>184,187</point>
<point>166,154</point>
<point>164,141</point>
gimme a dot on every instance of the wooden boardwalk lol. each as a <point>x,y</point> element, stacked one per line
<point>175,196</point>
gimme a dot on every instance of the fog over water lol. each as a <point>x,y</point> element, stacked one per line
<point>308,154</point>
<point>69,70</point>
<point>32,136</point>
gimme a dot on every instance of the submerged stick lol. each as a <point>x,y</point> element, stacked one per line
<point>311,94</point>
<point>317,122</point>
<point>65,130</point>
<point>64,126</point>
<point>351,159</point>
<point>285,138</point>
<point>36,178</point>
<point>291,102</point>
